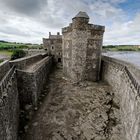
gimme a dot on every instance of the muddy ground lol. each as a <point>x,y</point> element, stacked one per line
<point>84,111</point>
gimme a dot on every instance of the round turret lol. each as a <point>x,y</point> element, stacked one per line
<point>82,15</point>
<point>80,20</point>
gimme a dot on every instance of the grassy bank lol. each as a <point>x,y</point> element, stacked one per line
<point>1,61</point>
<point>7,53</point>
<point>8,48</point>
<point>12,45</point>
<point>121,48</point>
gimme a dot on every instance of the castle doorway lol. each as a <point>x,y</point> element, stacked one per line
<point>59,60</point>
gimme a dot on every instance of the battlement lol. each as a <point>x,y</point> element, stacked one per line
<point>89,27</point>
<point>81,22</point>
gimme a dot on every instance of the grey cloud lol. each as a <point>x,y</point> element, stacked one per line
<point>58,13</point>
<point>13,31</point>
<point>27,7</point>
<point>30,20</point>
<point>48,12</point>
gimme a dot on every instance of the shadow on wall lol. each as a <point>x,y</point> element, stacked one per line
<point>9,104</point>
<point>25,78</point>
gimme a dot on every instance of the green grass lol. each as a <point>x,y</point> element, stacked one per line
<point>121,48</point>
<point>18,54</point>
<point>8,48</point>
<point>12,46</point>
<point>1,61</point>
<point>8,53</point>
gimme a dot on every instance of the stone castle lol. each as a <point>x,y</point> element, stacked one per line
<point>81,45</point>
<point>77,107</point>
<point>53,46</point>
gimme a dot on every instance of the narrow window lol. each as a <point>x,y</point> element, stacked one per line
<point>59,60</point>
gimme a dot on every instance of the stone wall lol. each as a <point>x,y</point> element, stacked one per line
<point>22,63</point>
<point>120,76</point>
<point>30,52</point>
<point>31,81</point>
<point>21,81</point>
<point>4,67</point>
<point>9,103</point>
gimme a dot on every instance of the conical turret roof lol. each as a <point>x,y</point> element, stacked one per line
<point>82,15</point>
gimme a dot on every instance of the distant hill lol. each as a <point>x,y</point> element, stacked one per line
<point>5,45</point>
<point>122,47</point>
<point>3,41</point>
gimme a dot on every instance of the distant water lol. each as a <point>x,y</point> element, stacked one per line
<point>131,57</point>
<point>2,56</point>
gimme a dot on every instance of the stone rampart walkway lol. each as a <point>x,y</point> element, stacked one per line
<point>87,111</point>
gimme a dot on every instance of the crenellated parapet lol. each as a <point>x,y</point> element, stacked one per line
<point>91,27</point>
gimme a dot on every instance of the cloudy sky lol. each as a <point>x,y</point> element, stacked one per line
<point>30,20</point>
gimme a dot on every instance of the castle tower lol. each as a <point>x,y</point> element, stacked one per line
<point>82,43</point>
<point>53,46</point>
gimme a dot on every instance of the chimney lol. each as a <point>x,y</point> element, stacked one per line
<point>49,33</point>
<point>58,33</point>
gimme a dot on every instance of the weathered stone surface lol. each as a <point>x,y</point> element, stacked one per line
<point>82,43</point>
<point>9,104</point>
<point>4,67</point>
<point>76,112</point>
<point>127,90</point>
<point>30,52</point>
<point>22,63</point>
<point>31,81</point>
<point>53,46</point>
